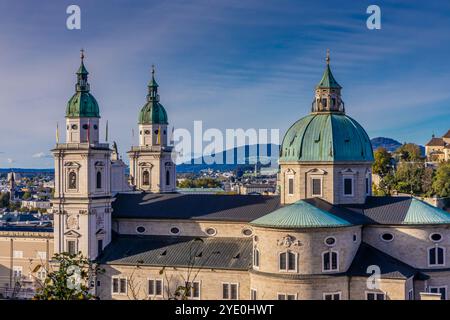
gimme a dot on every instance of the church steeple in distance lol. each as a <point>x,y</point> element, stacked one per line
<point>328,92</point>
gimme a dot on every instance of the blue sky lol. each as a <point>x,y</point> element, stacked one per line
<point>231,64</point>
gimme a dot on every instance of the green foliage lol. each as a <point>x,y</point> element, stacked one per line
<point>409,178</point>
<point>4,200</point>
<point>26,195</point>
<point>441,183</point>
<point>381,165</point>
<point>409,152</point>
<point>70,280</point>
<point>199,183</point>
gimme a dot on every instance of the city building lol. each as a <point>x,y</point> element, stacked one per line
<point>438,149</point>
<point>324,237</point>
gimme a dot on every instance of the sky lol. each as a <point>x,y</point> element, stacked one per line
<point>229,63</point>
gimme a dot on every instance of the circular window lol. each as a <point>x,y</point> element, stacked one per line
<point>330,241</point>
<point>436,237</point>
<point>247,232</point>
<point>387,237</point>
<point>156,131</point>
<point>147,131</point>
<point>211,231</point>
<point>74,127</point>
<point>140,229</point>
<point>174,230</point>
<point>85,126</point>
<point>95,127</point>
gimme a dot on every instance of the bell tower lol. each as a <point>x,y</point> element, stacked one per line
<point>82,200</point>
<point>152,168</point>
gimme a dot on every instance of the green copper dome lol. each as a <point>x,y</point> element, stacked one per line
<point>300,214</point>
<point>82,104</point>
<point>153,112</point>
<point>326,136</point>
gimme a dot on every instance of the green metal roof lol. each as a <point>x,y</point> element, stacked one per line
<point>153,113</point>
<point>328,80</point>
<point>82,104</point>
<point>420,212</point>
<point>326,137</point>
<point>300,214</point>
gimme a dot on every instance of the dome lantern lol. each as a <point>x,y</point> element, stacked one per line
<point>328,92</point>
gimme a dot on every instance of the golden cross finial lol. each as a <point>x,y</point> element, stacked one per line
<point>328,56</point>
<point>82,54</point>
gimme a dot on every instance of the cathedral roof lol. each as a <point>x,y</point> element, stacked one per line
<point>399,211</point>
<point>209,207</point>
<point>390,267</point>
<point>300,214</point>
<point>326,137</point>
<point>207,252</point>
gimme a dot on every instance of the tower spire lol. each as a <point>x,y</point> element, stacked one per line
<point>328,92</point>
<point>82,76</point>
<point>153,88</point>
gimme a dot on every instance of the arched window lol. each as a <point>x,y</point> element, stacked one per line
<point>167,178</point>
<point>146,178</point>
<point>72,180</point>
<point>99,180</point>
<point>330,261</point>
<point>287,261</point>
<point>436,256</point>
<point>255,258</point>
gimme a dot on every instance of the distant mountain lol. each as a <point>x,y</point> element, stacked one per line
<point>244,157</point>
<point>389,144</point>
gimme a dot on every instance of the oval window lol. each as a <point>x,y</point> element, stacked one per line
<point>387,237</point>
<point>156,131</point>
<point>140,229</point>
<point>436,237</point>
<point>247,232</point>
<point>95,127</point>
<point>330,241</point>
<point>211,231</point>
<point>74,127</point>
<point>85,126</point>
<point>147,131</point>
<point>174,230</point>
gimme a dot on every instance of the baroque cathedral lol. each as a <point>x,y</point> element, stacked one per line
<point>324,237</point>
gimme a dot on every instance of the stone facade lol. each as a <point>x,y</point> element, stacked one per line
<point>331,176</point>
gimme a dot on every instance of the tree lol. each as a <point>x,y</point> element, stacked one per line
<point>408,178</point>
<point>4,200</point>
<point>70,280</point>
<point>441,182</point>
<point>382,163</point>
<point>409,152</point>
